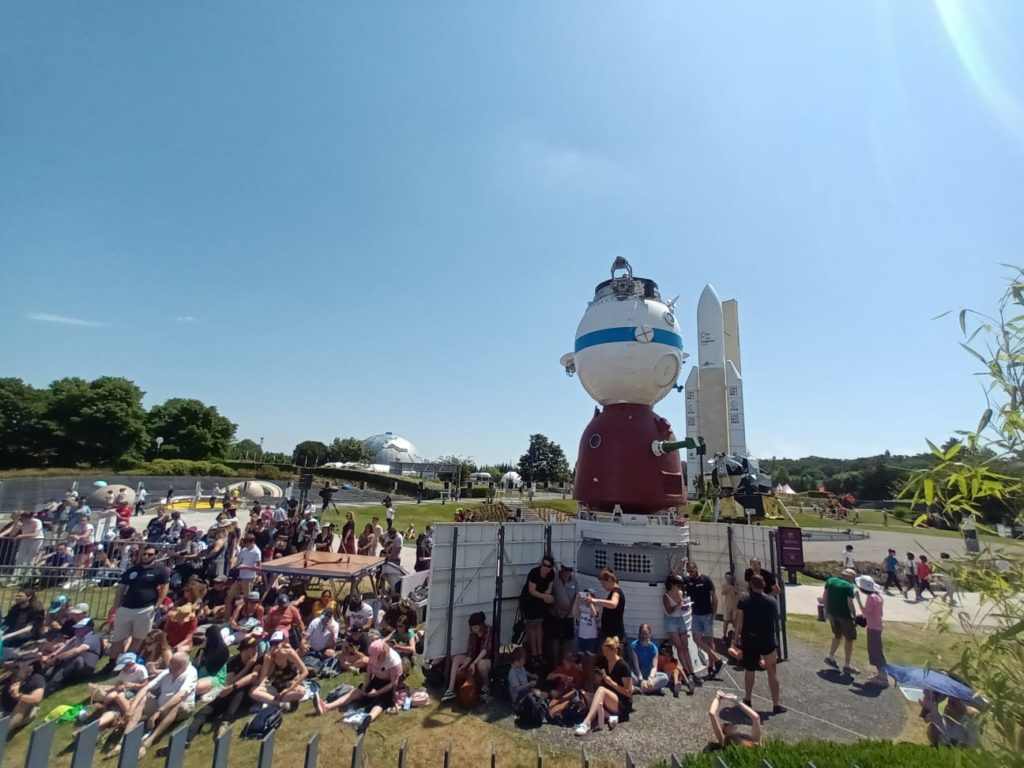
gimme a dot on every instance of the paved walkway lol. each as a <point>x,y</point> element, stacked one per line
<point>802,600</point>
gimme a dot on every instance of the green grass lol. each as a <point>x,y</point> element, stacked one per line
<point>825,754</point>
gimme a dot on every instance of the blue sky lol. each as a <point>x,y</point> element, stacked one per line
<point>345,218</point>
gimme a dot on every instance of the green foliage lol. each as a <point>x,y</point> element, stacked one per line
<point>349,449</point>
<point>827,754</point>
<point>310,453</point>
<point>544,461</point>
<point>982,467</point>
<point>871,477</point>
<point>95,422</point>
<point>177,467</point>
<point>22,408</point>
<point>244,449</point>
<point>190,429</point>
<point>463,467</point>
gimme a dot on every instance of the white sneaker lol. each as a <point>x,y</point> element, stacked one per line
<point>613,720</point>
<point>582,729</point>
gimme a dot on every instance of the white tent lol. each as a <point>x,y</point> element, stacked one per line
<point>511,480</point>
<point>783,489</point>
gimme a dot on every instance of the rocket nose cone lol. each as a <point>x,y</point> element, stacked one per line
<point>709,296</point>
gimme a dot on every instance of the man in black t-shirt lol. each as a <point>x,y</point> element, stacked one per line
<point>771,586</point>
<point>23,622</point>
<point>704,603</point>
<point>21,696</point>
<point>142,588</point>
<point>756,617</point>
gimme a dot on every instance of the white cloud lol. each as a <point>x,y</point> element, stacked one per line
<point>186,319</point>
<point>47,318</point>
<point>528,161</point>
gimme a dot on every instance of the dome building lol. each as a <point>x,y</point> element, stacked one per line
<point>389,448</point>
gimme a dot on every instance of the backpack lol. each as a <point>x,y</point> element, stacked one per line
<point>263,722</point>
<point>467,695</point>
<point>531,711</point>
<point>338,692</point>
<point>567,710</point>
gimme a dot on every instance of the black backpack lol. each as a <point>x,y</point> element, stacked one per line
<point>531,711</point>
<point>263,722</point>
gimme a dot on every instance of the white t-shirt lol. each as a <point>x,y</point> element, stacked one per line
<point>357,618</point>
<point>31,527</point>
<point>319,632</point>
<point>138,674</point>
<point>142,495</point>
<point>910,567</point>
<point>848,561</point>
<point>389,513</point>
<point>248,559</point>
<point>167,686</point>
<point>588,621</point>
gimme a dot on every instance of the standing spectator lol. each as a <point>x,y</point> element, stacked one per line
<point>892,566</point>
<point>872,612</point>
<point>563,626</point>
<point>29,533</point>
<point>537,597</point>
<point>247,560</point>
<point>730,597</point>
<point>170,495</point>
<point>838,598</point>
<point>424,549</point>
<point>324,541</point>
<point>613,607</point>
<point>910,574</point>
<point>674,603</point>
<point>756,617</point>
<point>588,616</point>
<point>389,514</point>
<point>704,602</point>
<point>771,586</point>
<point>142,587</point>
<point>156,529</point>
<point>924,575</point>
<point>140,501</point>
<point>214,494</point>
<point>848,561</point>
<point>326,496</point>
<point>948,578</point>
<point>348,533</point>
<point>378,532</point>
<point>367,543</point>
<point>393,542</point>
<point>175,527</point>
<point>649,679</point>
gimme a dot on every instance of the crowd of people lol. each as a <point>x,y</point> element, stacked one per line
<point>197,628</point>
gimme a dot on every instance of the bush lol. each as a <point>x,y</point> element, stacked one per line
<point>826,754</point>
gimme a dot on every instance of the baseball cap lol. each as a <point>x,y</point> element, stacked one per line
<point>254,595</point>
<point>58,603</point>
<point>124,660</point>
<point>83,623</point>
<point>277,637</point>
<point>283,599</point>
<point>80,608</point>
<point>849,572</point>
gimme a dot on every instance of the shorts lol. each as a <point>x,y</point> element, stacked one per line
<point>753,651</point>
<point>703,625</point>
<point>153,704</point>
<point>675,625</point>
<point>132,623</point>
<point>589,645</point>
<point>384,700</point>
<point>843,626</point>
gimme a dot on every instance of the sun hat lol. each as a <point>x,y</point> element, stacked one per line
<point>124,660</point>
<point>849,572</point>
<point>866,583</point>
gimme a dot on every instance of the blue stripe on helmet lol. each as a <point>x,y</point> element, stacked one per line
<point>625,334</point>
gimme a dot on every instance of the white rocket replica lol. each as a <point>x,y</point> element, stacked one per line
<point>714,388</point>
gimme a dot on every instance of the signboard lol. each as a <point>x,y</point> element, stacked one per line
<point>791,547</point>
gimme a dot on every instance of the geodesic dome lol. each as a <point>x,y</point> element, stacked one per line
<point>389,448</point>
<point>511,480</point>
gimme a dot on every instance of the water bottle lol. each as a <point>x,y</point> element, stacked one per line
<point>407,704</point>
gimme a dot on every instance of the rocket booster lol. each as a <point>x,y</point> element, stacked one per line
<point>711,330</point>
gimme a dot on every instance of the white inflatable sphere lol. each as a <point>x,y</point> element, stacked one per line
<point>628,350</point>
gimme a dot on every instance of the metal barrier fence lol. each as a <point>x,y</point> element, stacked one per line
<point>85,743</point>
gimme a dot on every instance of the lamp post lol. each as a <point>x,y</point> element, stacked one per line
<point>159,441</point>
<point>261,448</point>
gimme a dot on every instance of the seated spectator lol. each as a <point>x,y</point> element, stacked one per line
<point>180,627</point>
<point>954,726</point>
<point>215,599</point>
<point>285,617</point>
<point>283,675</point>
<point>727,733</point>
<point>168,698</point>
<point>668,665</point>
<point>322,635</point>
<point>403,638</point>
<point>248,614</point>
<point>383,673</point>
<point>477,658</point>
<point>212,662</point>
<point>155,652</point>
<point>243,674</point>
<point>568,675</point>
<point>21,695</point>
<point>613,699</point>
<point>350,658</point>
<point>521,683</point>
<point>23,622</point>
<point>326,600</point>
<point>649,680</point>
<point>358,620</point>
<point>114,701</point>
<point>76,659</point>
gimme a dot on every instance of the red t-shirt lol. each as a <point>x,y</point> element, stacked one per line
<point>281,618</point>
<point>179,632</point>
<point>923,571</point>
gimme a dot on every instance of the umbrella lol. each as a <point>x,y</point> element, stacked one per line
<point>931,680</point>
<point>100,484</point>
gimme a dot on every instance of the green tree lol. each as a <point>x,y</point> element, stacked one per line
<point>310,453</point>
<point>544,461</point>
<point>96,422</point>
<point>23,437</point>
<point>190,429</point>
<point>244,449</point>
<point>461,468</point>
<point>967,475</point>
<point>349,449</point>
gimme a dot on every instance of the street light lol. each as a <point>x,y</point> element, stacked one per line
<point>159,441</point>
<point>261,448</point>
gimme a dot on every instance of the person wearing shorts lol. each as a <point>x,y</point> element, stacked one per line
<point>170,697</point>
<point>838,600</point>
<point>704,605</point>
<point>376,693</point>
<point>142,588</point>
<point>757,617</point>
<point>588,619</point>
